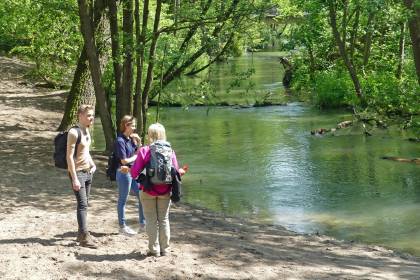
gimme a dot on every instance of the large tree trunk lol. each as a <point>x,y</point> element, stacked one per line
<point>81,91</point>
<point>81,85</point>
<point>414,27</point>
<point>116,55</point>
<point>126,101</point>
<point>86,24</point>
<point>343,51</point>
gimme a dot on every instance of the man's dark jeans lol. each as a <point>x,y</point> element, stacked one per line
<point>82,198</point>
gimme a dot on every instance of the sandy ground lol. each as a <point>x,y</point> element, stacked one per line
<point>38,222</point>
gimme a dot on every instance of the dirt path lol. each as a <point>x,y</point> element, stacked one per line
<point>38,222</point>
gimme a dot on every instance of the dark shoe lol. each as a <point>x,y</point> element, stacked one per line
<point>86,240</point>
<point>165,253</point>
<point>79,237</point>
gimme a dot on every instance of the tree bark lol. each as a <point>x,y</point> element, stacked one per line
<point>343,51</point>
<point>86,25</point>
<point>80,85</point>
<point>81,91</point>
<point>151,64</point>
<point>116,54</point>
<point>414,27</point>
<point>368,38</point>
<point>354,31</point>
<point>126,101</point>
<point>141,41</point>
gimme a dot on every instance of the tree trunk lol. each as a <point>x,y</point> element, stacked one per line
<point>116,55</point>
<point>86,25</point>
<point>414,27</point>
<point>126,101</point>
<point>401,54</point>
<point>151,64</point>
<point>343,51</point>
<point>354,32</point>
<point>141,41</point>
<point>368,39</point>
<point>81,85</point>
<point>81,91</point>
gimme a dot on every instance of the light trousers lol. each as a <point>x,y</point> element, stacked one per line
<point>156,212</point>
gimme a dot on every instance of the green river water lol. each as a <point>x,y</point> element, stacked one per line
<point>263,163</point>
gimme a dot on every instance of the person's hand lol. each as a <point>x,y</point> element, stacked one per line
<point>181,171</point>
<point>125,169</point>
<point>92,169</point>
<point>76,185</point>
<point>136,138</point>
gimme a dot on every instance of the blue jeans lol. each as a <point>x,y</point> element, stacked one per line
<point>125,183</point>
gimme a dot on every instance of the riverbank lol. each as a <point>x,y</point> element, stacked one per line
<point>37,233</point>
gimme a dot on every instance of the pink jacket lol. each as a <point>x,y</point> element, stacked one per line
<point>143,157</point>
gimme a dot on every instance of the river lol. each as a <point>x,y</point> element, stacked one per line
<point>264,164</point>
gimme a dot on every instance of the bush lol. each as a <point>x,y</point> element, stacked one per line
<point>333,89</point>
<point>388,95</point>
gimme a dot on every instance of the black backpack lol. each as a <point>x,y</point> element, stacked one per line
<point>176,184</point>
<point>60,147</point>
<point>111,169</point>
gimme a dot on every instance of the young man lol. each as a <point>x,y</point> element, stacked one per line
<point>81,168</point>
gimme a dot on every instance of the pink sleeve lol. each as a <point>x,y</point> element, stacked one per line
<point>140,162</point>
<point>174,161</point>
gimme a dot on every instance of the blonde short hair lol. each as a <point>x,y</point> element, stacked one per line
<point>156,132</point>
<point>84,108</point>
<point>127,119</point>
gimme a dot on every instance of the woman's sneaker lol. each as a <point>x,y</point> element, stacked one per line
<point>127,231</point>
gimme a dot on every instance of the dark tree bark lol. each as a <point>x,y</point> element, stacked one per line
<point>141,41</point>
<point>116,54</point>
<point>151,64</point>
<point>354,31</point>
<point>414,27</point>
<point>128,40</point>
<point>86,24</point>
<point>342,48</point>
<point>368,38</point>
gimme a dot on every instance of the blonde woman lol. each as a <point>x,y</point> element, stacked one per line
<point>156,201</point>
<point>125,150</point>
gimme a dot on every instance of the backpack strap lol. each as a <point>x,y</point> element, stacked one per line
<point>79,139</point>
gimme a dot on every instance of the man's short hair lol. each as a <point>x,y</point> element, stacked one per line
<point>84,108</point>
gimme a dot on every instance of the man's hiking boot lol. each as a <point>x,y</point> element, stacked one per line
<point>86,240</point>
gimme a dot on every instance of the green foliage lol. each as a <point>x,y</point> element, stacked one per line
<point>391,96</point>
<point>44,31</point>
<point>333,89</point>
<point>319,70</point>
